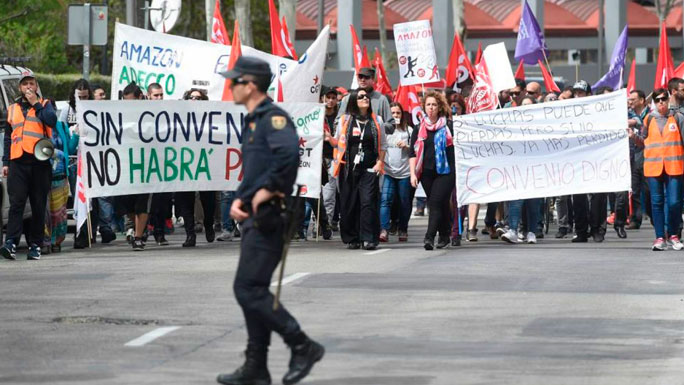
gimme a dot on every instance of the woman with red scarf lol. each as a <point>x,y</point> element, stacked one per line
<point>432,163</point>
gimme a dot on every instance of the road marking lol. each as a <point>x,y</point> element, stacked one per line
<point>290,278</point>
<point>151,336</point>
<point>377,252</point>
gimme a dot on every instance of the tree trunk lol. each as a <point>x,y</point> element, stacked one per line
<point>383,33</point>
<point>288,9</point>
<point>243,14</point>
<point>459,19</point>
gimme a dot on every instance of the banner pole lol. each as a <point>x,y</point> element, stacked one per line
<point>90,230</point>
<point>547,63</point>
<point>318,219</point>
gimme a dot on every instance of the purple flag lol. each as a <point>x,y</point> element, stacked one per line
<point>531,45</point>
<point>613,78</point>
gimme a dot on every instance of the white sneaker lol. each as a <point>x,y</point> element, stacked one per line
<point>130,235</point>
<point>531,238</point>
<point>675,243</point>
<point>510,236</point>
<point>225,236</point>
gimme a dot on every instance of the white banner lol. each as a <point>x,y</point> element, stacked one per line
<point>566,147</point>
<point>132,147</point>
<point>177,63</point>
<point>416,53</point>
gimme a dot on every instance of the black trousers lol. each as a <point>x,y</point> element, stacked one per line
<point>185,203</point>
<point>259,255</point>
<point>438,190</point>
<point>589,212</point>
<point>359,207</point>
<point>638,185</point>
<point>28,181</point>
<point>161,209</point>
<point>621,208</point>
<point>490,216</point>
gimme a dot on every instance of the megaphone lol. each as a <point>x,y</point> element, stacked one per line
<point>44,149</point>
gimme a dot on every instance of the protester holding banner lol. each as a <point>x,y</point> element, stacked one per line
<point>330,192</point>
<point>515,208</point>
<point>161,202</point>
<point>185,200</point>
<point>359,160</point>
<point>638,110</point>
<point>29,119</point>
<point>66,143</point>
<point>663,168</point>
<point>397,176</point>
<point>432,164</point>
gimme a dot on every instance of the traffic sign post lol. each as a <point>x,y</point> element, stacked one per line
<point>87,25</point>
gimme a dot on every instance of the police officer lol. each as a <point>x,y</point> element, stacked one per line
<point>270,156</point>
<point>29,120</point>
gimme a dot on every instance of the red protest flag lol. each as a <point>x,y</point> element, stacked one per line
<point>459,68</point>
<point>278,41</point>
<point>549,83</point>
<point>382,84</point>
<point>365,61</point>
<point>679,71</point>
<point>407,96</point>
<point>285,34</point>
<point>631,81</point>
<point>358,52</point>
<point>219,34</point>
<point>235,53</point>
<point>520,72</point>
<point>665,69</point>
<point>478,55</point>
<point>482,97</point>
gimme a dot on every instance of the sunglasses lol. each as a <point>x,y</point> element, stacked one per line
<point>240,81</point>
<point>531,92</point>
<point>363,77</point>
<point>362,97</point>
<point>515,93</point>
<point>661,99</point>
<point>195,98</point>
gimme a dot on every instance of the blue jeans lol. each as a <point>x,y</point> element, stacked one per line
<point>389,186</point>
<point>670,186</point>
<point>531,209</point>
<point>226,201</point>
<point>106,213</point>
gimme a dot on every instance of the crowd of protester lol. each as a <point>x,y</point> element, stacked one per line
<point>375,159</point>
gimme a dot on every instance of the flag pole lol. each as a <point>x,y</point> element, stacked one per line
<point>546,60</point>
<point>318,219</point>
<point>90,230</point>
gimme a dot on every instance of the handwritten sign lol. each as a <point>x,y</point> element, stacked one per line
<point>133,147</point>
<point>566,147</point>
<point>416,53</point>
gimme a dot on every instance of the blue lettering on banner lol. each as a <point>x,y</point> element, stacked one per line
<point>151,55</point>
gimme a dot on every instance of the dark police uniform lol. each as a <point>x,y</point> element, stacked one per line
<point>270,160</point>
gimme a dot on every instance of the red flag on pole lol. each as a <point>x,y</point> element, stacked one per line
<point>549,83</point>
<point>631,81</point>
<point>520,72</point>
<point>219,34</point>
<point>679,71</point>
<point>665,69</point>
<point>279,46</point>
<point>382,84</point>
<point>365,61</point>
<point>407,96</point>
<point>478,55</point>
<point>235,53</point>
<point>459,68</point>
<point>358,52</point>
<point>288,42</point>
<point>482,97</point>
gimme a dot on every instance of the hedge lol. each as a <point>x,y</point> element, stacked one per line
<point>59,86</point>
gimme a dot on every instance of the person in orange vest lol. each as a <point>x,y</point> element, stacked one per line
<point>663,168</point>
<point>29,119</point>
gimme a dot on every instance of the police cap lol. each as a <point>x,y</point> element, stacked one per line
<point>247,65</point>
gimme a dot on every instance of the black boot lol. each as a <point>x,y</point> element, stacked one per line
<point>209,232</point>
<point>190,237</point>
<point>253,372</point>
<point>303,358</point>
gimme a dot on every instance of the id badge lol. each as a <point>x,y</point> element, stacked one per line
<point>356,131</point>
<point>357,159</point>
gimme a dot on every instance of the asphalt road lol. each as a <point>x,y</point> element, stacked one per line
<point>484,313</point>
